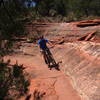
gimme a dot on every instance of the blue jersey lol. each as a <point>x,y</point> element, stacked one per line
<point>42,43</point>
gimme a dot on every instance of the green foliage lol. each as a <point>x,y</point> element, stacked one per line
<point>46,6</point>
<point>11,25</point>
<point>11,11</point>
<point>13,81</point>
<point>76,8</point>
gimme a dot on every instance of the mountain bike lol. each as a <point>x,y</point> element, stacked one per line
<point>49,60</point>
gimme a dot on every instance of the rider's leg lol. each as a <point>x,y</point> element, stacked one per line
<point>48,51</point>
<point>47,57</point>
<point>51,57</point>
<point>44,56</point>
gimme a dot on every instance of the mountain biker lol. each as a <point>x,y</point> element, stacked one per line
<point>42,42</point>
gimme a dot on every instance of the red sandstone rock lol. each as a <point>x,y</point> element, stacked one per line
<point>80,60</point>
<point>88,23</point>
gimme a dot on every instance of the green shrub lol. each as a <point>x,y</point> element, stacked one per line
<point>13,81</point>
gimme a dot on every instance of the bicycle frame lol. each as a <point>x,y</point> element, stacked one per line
<point>48,57</point>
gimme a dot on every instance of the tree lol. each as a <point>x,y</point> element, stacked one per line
<point>11,11</point>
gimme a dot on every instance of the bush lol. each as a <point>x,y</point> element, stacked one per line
<point>13,81</point>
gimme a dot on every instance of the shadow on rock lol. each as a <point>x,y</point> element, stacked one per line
<point>56,66</point>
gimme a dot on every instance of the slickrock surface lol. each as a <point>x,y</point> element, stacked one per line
<point>79,77</point>
<point>55,85</point>
<point>81,61</point>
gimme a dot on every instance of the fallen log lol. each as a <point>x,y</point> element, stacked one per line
<point>87,36</point>
<point>90,36</point>
<point>96,21</point>
<point>86,23</point>
<point>83,37</point>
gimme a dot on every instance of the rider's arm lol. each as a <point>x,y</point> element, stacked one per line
<point>38,43</point>
<point>49,42</point>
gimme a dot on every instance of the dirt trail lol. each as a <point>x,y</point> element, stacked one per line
<point>55,84</point>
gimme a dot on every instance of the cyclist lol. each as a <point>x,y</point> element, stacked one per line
<point>42,42</point>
